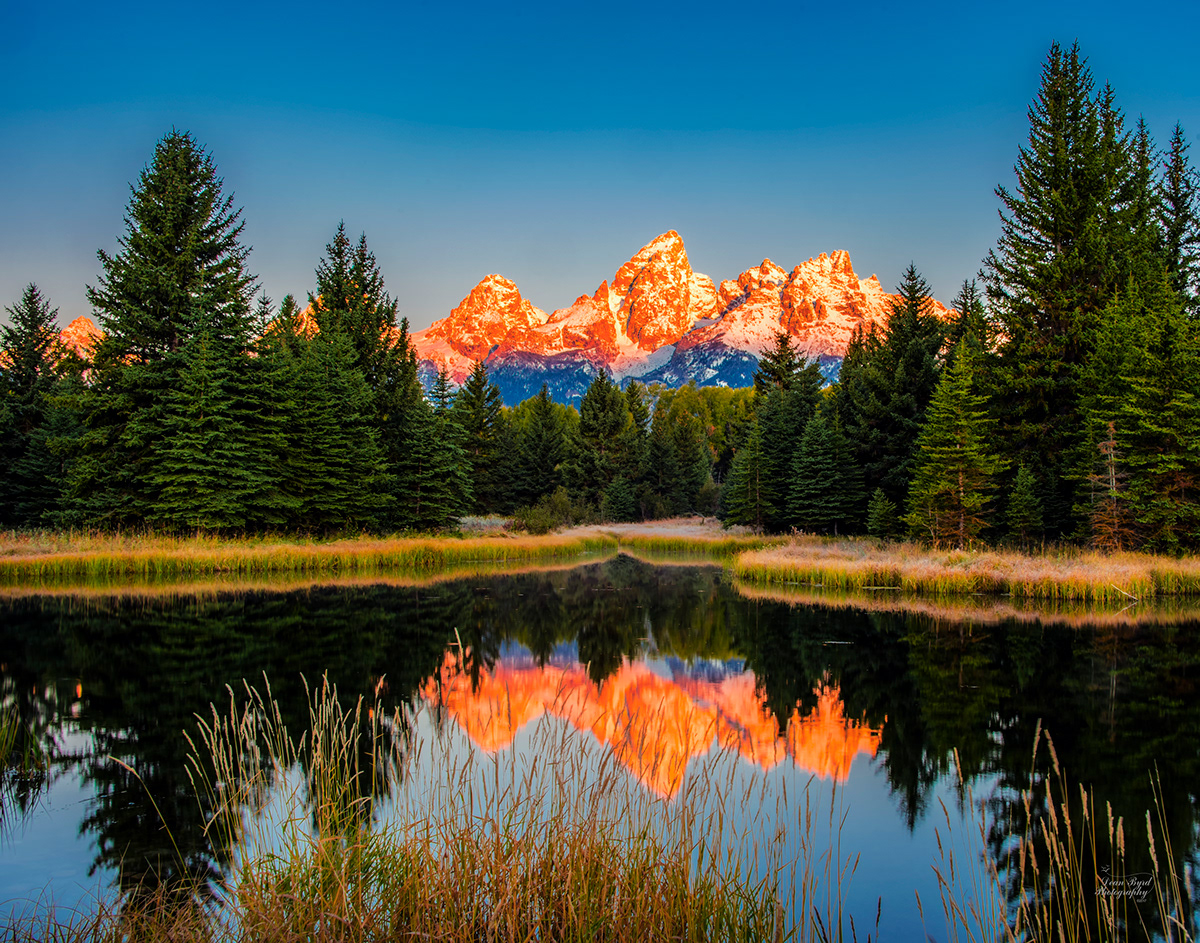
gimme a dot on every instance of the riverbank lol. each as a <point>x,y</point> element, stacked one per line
<point>52,559</point>
<point>869,566</point>
<point>61,560</point>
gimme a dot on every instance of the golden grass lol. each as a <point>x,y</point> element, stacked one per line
<point>145,562</point>
<point>37,557</point>
<point>1067,574</point>
<point>1066,880</point>
<point>984,608</point>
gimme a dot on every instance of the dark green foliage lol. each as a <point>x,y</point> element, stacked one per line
<point>957,464</point>
<point>602,449</point>
<point>29,375</point>
<point>351,299</point>
<point>882,522</point>
<point>201,476</point>
<point>971,322</point>
<point>781,368</point>
<point>750,495</point>
<point>826,492</point>
<point>1077,228</point>
<point>663,490</point>
<point>886,382</point>
<point>541,450</point>
<point>1024,509</point>
<point>618,502</point>
<point>334,469</point>
<point>1150,396</point>
<point>1178,215</point>
<point>477,410</point>
<point>180,273</point>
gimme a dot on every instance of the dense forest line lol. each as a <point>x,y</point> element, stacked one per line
<point>1058,402</point>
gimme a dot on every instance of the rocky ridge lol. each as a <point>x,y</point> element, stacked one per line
<point>656,320</point>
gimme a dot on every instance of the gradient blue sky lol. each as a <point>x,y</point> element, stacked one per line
<point>549,141</point>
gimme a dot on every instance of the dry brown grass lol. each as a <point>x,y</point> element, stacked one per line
<point>985,608</point>
<point>1067,574</point>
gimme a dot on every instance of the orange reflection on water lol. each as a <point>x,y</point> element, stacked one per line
<point>653,725</point>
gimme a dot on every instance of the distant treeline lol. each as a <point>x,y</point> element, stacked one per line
<point>1059,402</point>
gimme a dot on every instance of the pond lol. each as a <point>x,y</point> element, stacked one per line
<point>875,701</point>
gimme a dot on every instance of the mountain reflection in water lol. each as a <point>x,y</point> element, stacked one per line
<point>661,663</point>
<point>653,724</point>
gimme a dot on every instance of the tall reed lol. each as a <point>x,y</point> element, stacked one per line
<point>1062,880</point>
<point>376,826</point>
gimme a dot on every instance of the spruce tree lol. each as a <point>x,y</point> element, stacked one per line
<point>1024,509</point>
<point>477,410</point>
<point>200,474</point>
<point>351,299</point>
<point>599,452</point>
<point>541,450</point>
<point>663,483</point>
<point>826,484</point>
<point>885,385</point>
<point>1179,221</point>
<point>750,494</point>
<point>29,375</point>
<point>1074,231</point>
<point>180,271</point>
<point>335,467</point>
<point>882,523</point>
<point>956,465</point>
<point>1157,416</point>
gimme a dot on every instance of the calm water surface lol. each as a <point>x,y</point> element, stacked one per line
<point>874,703</point>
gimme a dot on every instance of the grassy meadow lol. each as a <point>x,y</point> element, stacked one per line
<point>1062,574</point>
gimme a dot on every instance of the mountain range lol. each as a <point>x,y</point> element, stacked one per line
<point>656,321</point>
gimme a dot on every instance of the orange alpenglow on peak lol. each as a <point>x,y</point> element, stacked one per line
<point>654,725</point>
<point>657,320</point>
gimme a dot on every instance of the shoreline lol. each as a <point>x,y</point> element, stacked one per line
<point>63,561</point>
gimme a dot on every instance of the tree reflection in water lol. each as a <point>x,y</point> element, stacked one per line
<point>1117,699</point>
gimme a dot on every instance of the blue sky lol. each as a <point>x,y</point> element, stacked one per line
<point>548,142</point>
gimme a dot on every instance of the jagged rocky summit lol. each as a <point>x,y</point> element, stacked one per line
<point>656,321</point>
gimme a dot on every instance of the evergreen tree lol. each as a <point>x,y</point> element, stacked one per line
<point>882,522</point>
<point>1179,221</point>
<point>351,299</point>
<point>541,450</point>
<point>1074,230</point>
<point>200,470</point>
<point>477,409</point>
<point>782,368</point>
<point>1024,509</point>
<point>886,382</point>
<point>335,470</point>
<point>29,375</point>
<point>618,502</point>
<point>448,494</point>
<point>826,483</point>
<point>956,465</point>
<point>180,272</point>
<point>1157,416</point>
<point>970,323</point>
<point>750,493</point>
<point>600,450</point>
<point>663,483</point>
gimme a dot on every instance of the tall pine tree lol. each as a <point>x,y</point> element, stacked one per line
<point>956,464</point>
<point>180,272</point>
<point>29,376</point>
